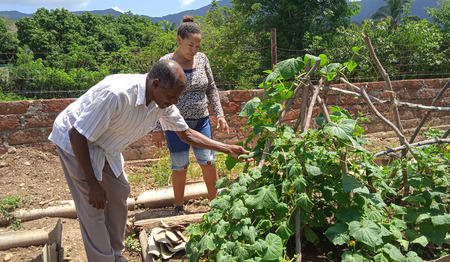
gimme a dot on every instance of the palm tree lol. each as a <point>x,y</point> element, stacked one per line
<point>395,10</point>
<point>167,26</point>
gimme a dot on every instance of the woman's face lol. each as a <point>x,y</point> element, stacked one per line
<point>190,45</point>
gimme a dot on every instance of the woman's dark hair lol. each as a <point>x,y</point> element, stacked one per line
<point>188,26</point>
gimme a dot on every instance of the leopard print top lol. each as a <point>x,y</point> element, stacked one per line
<point>200,89</point>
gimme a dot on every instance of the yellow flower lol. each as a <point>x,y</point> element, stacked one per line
<point>284,106</point>
<point>448,147</point>
<point>352,243</point>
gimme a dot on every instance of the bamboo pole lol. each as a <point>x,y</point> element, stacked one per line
<point>161,197</point>
<point>425,117</point>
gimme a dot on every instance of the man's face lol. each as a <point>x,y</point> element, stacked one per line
<point>169,96</point>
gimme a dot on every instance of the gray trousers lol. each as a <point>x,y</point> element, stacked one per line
<point>103,230</point>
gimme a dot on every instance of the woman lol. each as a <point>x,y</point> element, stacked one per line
<point>193,106</point>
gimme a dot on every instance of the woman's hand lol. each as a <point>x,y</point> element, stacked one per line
<point>158,138</point>
<point>222,123</point>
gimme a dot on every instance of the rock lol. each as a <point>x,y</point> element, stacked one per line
<point>27,163</point>
<point>2,164</point>
<point>8,256</point>
<point>12,150</point>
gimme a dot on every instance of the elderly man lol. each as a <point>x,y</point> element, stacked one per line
<point>91,133</point>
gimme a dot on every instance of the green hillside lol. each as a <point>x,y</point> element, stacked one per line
<point>10,25</point>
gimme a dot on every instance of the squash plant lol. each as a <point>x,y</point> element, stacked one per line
<point>359,210</point>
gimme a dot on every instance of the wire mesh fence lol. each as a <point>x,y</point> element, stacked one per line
<point>48,75</point>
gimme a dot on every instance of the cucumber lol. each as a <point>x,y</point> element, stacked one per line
<point>251,154</point>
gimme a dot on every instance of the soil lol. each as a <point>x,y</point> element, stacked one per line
<point>38,178</point>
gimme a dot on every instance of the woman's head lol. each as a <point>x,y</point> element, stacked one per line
<point>188,26</point>
<point>189,37</point>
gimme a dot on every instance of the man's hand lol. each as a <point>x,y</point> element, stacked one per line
<point>97,197</point>
<point>222,123</point>
<point>236,151</point>
<point>158,138</point>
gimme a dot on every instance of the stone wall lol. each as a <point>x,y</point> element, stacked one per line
<point>28,123</point>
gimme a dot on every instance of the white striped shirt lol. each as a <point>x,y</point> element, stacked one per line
<point>112,115</point>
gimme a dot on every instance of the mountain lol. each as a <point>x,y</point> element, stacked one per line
<point>368,7</point>
<point>176,18</point>
<point>173,18</point>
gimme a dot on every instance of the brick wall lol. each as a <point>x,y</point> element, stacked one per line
<point>28,123</point>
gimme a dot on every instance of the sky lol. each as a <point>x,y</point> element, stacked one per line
<point>154,8</point>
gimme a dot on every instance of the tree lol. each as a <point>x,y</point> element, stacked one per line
<point>167,26</point>
<point>293,18</point>
<point>395,10</point>
<point>229,47</point>
<point>8,44</point>
<point>441,14</point>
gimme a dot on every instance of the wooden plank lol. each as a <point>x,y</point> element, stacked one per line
<point>184,220</point>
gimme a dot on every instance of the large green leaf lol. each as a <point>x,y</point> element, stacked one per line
<point>295,170</point>
<point>255,173</point>
<point>281,210</point>
<point>367,232</point>
<point>342,129</point>
<point>272,76</point>
<point>263,197</point>
<point>314,59</point>
<point>274,250</point>
<point>435,234</point>
<point>290,67</point>
<point>250,233</point>
<point>238,210</point>
<point>221,228</point>
<point>208,242</point>
<point>412,256</point>
<point>284,231</point>
<point>250,107</point>
<point>230,162</point>
<point>313,170</point>
<point>223,256</point>
<point>440,219</point>
<point>245,180</point>
<point>337,234</point>
<point>300,184</point>
<point>351,184</point>
<point>221,203</point>
<point>310,235</point>
<point>236,190</point>
<point>304,202</point>
<point>393,252</point>
<point>349,256</point>
<point>348,214</point>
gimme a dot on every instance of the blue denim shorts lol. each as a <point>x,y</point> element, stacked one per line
<point>179,151</point>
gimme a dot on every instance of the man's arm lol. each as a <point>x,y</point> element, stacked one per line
<point>197,139</point>
<point>97,196</point>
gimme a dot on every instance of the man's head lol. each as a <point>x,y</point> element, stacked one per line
<point>165,83</point>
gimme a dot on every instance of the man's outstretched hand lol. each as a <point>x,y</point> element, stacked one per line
<point>236,151</point>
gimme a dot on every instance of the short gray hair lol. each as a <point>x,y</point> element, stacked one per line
<point>164,72</point>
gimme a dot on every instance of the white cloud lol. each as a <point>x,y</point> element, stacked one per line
<point>118,9</point>
<point>186,2</point>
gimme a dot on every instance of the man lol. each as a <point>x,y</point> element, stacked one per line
<point>91,133</point>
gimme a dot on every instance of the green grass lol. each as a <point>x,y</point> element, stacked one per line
<point>7,206</point>
<point>160,175</point>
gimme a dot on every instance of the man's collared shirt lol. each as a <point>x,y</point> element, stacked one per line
<point>112,115</point>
